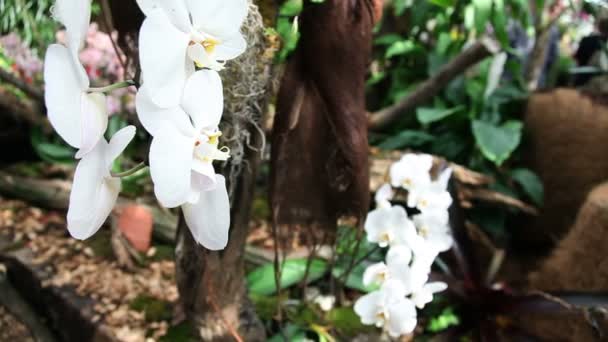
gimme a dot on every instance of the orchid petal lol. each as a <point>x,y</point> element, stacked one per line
<point>63,94</point>
<point>147,6</point>
<point>204,174</point>
<point>94,121</point>
<point>119,142</point>
<point>171,165</point>
<point>231,47</point>
<point>203,99</point>
<point>374,274</point>
<point>155,119</point>
<point>162,54</point>
<point>366,307</point>
<point>177,11</point>
<point>399,255</point>
<point>75,15</point>
<point>402,315</point>
<point>209,219</point>
<point>218,17</point>
<point>93,195</point>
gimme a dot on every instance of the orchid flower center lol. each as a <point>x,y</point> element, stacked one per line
<point>203,58</point>
<point>407,182</point>
<point>424,232</point>
<point>382,276</point>
<point>206,147</point>
<point>381,317</point>
<point>385,237</point>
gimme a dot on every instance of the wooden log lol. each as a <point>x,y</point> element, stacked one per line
<point>69,314</point>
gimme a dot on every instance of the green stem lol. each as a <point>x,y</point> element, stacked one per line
<point>111,87</point>
<point>130,172</point>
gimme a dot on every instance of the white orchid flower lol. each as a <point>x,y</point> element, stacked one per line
<point>396,268</point>
<point>389,226</point>
<point>384,195</point>
<point>185,143</point>
<point>79,117</point>
<point>95,191</point>
<point>388,308</point>
<point>434,231</point>
<point>424,294</point>
<point>412,172</point>
<point>433,197</point>
<point>179,34</point>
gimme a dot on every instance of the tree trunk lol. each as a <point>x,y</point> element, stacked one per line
<point>212,284</point>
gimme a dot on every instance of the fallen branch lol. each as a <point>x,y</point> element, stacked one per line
<point>474,54</point>
<point>20,109</point>
<point>51,194</point>
<point>28,89</point>
<point>55,194</point>
<point>10,298</point>
<point>490,196</point>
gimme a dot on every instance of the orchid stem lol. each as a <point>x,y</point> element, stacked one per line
<point>112,87</point>
<point>130,172</point>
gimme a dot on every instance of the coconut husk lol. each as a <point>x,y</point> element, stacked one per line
<point>319,141</point>
<point>565,137</point>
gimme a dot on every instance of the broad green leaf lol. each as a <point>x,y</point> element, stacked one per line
<point>346,321</point>
<point>483,10</point>
<point>446,319</point>
<point>499,23</point>
<point>388,39</point>
<point>497,142</point>
<point>429,115</point>
<point>530,183</point>
<point>261,281</point>
<point>495,73</point>
<point>291,8</point>
<point>51,152</point>
<point>407,138</point>
<point>442,3</point>
<point>400,48</point>
<point>400,6</point>
<point>355,277</point>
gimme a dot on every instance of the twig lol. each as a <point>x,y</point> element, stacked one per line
<point>487,195</point>
<point>23,110</point>
<point>477,52</point>
<point>109,23</point>
<point>28,89</point>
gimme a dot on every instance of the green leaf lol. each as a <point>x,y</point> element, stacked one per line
<point>446,319</point>
<point>346,321</point>
<point>499,23</point>
<point>355,277</point>
<point>497,143</point>
<point>428,115</point>
<point>407,138</point>
<point>483,11</point>
<point>388,39</point>
<point>400,48</point>
<point>262,280</point>
<point>51,152</point>
<point>442,3</point>
<point>530,183</point>
<point>291,8</point>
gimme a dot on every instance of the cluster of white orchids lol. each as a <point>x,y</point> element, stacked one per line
<point>402,281</point>
<point>183,44</point>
